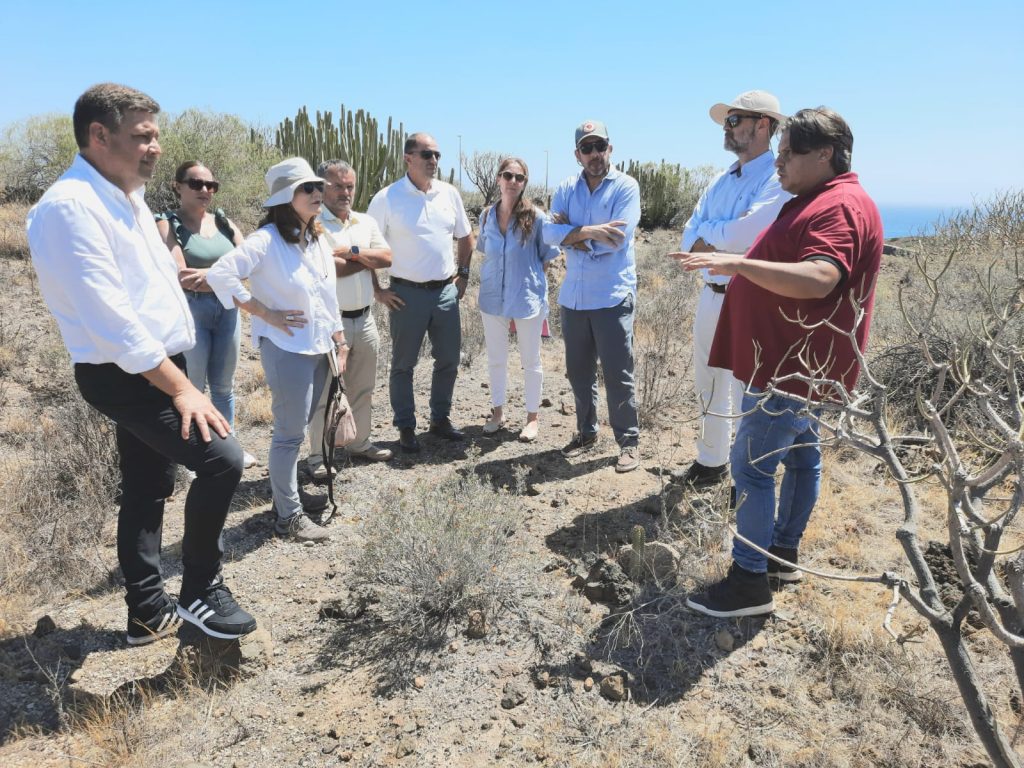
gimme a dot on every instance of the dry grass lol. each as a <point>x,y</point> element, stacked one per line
<point>13,241</point>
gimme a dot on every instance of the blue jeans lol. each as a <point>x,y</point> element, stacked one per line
<point>433,312</point>
<point>215,356</point>
<point>782,428</point>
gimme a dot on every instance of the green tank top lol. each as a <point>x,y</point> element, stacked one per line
<point>201,252</point>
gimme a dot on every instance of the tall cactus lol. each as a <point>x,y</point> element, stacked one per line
<point>660,186</point>
<point>356,138</point>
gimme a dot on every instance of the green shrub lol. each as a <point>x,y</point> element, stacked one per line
<point>33,155</point>
<point>668,193</point>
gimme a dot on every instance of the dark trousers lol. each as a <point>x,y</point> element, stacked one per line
<point>149,445</point>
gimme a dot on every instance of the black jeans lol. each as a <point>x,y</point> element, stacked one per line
<point>149,445</point>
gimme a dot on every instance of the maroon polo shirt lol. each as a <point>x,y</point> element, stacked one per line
<point>838,222</point>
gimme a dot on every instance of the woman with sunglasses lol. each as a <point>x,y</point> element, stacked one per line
<point>513,286</point>
<point>198,237</point>
<point>296,324</point>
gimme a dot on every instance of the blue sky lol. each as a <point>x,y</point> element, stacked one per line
<point>932,90</point>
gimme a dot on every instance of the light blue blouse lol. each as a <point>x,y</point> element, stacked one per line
<point>512,279</point>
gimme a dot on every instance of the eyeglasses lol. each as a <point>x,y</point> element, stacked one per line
<point>508,176</point>
<point>593,146</point>
<point>196,184</point>
<point>733,120</point>
<point>309,186</point>
<point>428,154</point>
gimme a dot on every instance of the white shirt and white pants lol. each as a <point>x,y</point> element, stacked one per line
<point>732,212</point>
<point>355,300</point>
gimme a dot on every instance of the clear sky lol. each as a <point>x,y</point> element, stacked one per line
<point>932,90</point>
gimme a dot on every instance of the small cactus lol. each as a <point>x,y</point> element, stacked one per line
<point>638,538</point>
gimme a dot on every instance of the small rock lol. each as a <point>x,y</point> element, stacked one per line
<point>406,746</point>
<point>309,543</point>
<point>513,694</point>
<point>588,684</point>
<point>453,646</point>
<point>484,385</point>
<point>345,756</point>
<point>543,679</point>
<point>477,626</point>
<point>328,748</point>
<point>518,722</point>
<point>556,502</point>
<point>567,408</point>
<point>614,688</point>
<point>545,403</point>
<point>420,683</point>
<point>44,626</point>
<point>724,639</point>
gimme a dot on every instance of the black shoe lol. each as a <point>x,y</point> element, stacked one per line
<point>740,593</point>
<point>408,440</point>
<point>165,622</point>
<point>579,444</point>
<point>214,610</point>
<point>699,476</point>
<point>783,573</point>
<point>444,428</point>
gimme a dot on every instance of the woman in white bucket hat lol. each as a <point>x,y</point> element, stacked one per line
<point>295,321</point>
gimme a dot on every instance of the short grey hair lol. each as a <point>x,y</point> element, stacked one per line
<point>340,166</point>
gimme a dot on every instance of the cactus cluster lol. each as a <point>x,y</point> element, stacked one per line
<point>356,138</point>
<point>638,538</point>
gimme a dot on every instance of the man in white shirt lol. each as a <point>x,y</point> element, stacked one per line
<point>729,216</point>
<point>108,278</point>
<point>418,216</point>
<point>359,249</point>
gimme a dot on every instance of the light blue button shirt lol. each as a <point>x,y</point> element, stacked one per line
<point>606,275</point>
<point>735,209</point>
<point>512,279</point>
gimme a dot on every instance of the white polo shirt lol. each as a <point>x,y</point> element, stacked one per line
<point>420,226</point>
<point>359,229</point>
<point>106,274</point>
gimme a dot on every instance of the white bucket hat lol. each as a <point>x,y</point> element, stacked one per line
<point>751,101</point>
<point>283,178</point>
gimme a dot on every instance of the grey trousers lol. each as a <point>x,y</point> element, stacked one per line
<point>360,378</point>
<point>295,381</point>
<point>606,335</point>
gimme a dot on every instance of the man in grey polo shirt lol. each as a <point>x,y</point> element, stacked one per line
<point>359,249</point>
<point>418,216</point>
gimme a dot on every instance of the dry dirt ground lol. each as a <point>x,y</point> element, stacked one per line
<point>553,681</point>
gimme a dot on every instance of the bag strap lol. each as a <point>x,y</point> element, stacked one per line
<point>331,419</point>
<point>178,228</point>
<point>224,225</point>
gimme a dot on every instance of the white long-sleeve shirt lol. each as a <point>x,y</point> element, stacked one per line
<point>106,274</point>
<point>282,275</point>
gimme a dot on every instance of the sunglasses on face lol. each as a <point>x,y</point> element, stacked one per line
<point>733,120</point>
<point>197,184</point>
<point>309,186</point>
<point>509,176</point>
<point>588,147</point>
<point>428,154</point>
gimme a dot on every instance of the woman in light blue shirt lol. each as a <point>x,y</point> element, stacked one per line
<point>296,324</point>
<point>513,286</point>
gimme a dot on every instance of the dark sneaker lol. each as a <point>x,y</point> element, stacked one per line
<point>300,528</point>
<point>215,612</point>
<point>165,622</point>
<point>579,444</point>
<point>740,593</point>
<point>629,459</point>
<point>408,440</point>
<point>783,573</point>
<point>698,475</point>
<point>444,428</point>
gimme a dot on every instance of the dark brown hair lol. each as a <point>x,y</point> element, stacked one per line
<point>107,104</point>
<point>289,224</point>
<point>179,174</point>
<point>524,212</point>
<point>811,129</point>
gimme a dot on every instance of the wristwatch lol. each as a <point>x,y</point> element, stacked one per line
<point>463,272</point>
<point>354,250</point>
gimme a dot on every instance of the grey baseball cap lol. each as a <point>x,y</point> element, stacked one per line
<point>590,128</point>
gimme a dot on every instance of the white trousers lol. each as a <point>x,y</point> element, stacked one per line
<point>718,391</point>
<point>528,337</point>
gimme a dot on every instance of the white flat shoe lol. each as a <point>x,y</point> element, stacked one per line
<point>491,426</point>
<point>248,460</point>
<point>529,432</point>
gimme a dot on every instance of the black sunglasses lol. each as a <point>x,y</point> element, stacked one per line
<point>508,176</point>
<point>733,120</point>
<point>428,154</point>
<point>591,146</point>
<point>196,184</point>
<point>309,186</point>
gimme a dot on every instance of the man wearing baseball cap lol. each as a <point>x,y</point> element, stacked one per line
<point>729,216</point>
<point>595,214</point>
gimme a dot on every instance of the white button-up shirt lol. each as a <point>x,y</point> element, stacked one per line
<point>106,274</point>
<point>359,229</point>
<point>282,275</point>
<point>419,226</point>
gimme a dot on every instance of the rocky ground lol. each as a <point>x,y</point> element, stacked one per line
<point>586,666</point>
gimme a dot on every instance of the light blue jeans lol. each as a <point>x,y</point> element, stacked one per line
<point>215,356</point>
<point>296,382</point>
<point>780,430</point>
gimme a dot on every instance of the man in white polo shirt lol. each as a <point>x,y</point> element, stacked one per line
<point>359,249</point>
<point>418,216</point>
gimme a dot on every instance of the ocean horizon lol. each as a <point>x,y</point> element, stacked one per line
<point>913,220</point>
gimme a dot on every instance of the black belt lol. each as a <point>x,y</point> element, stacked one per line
<point>716,287</point>
<point>429,284</point>
<point>350,313</point>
